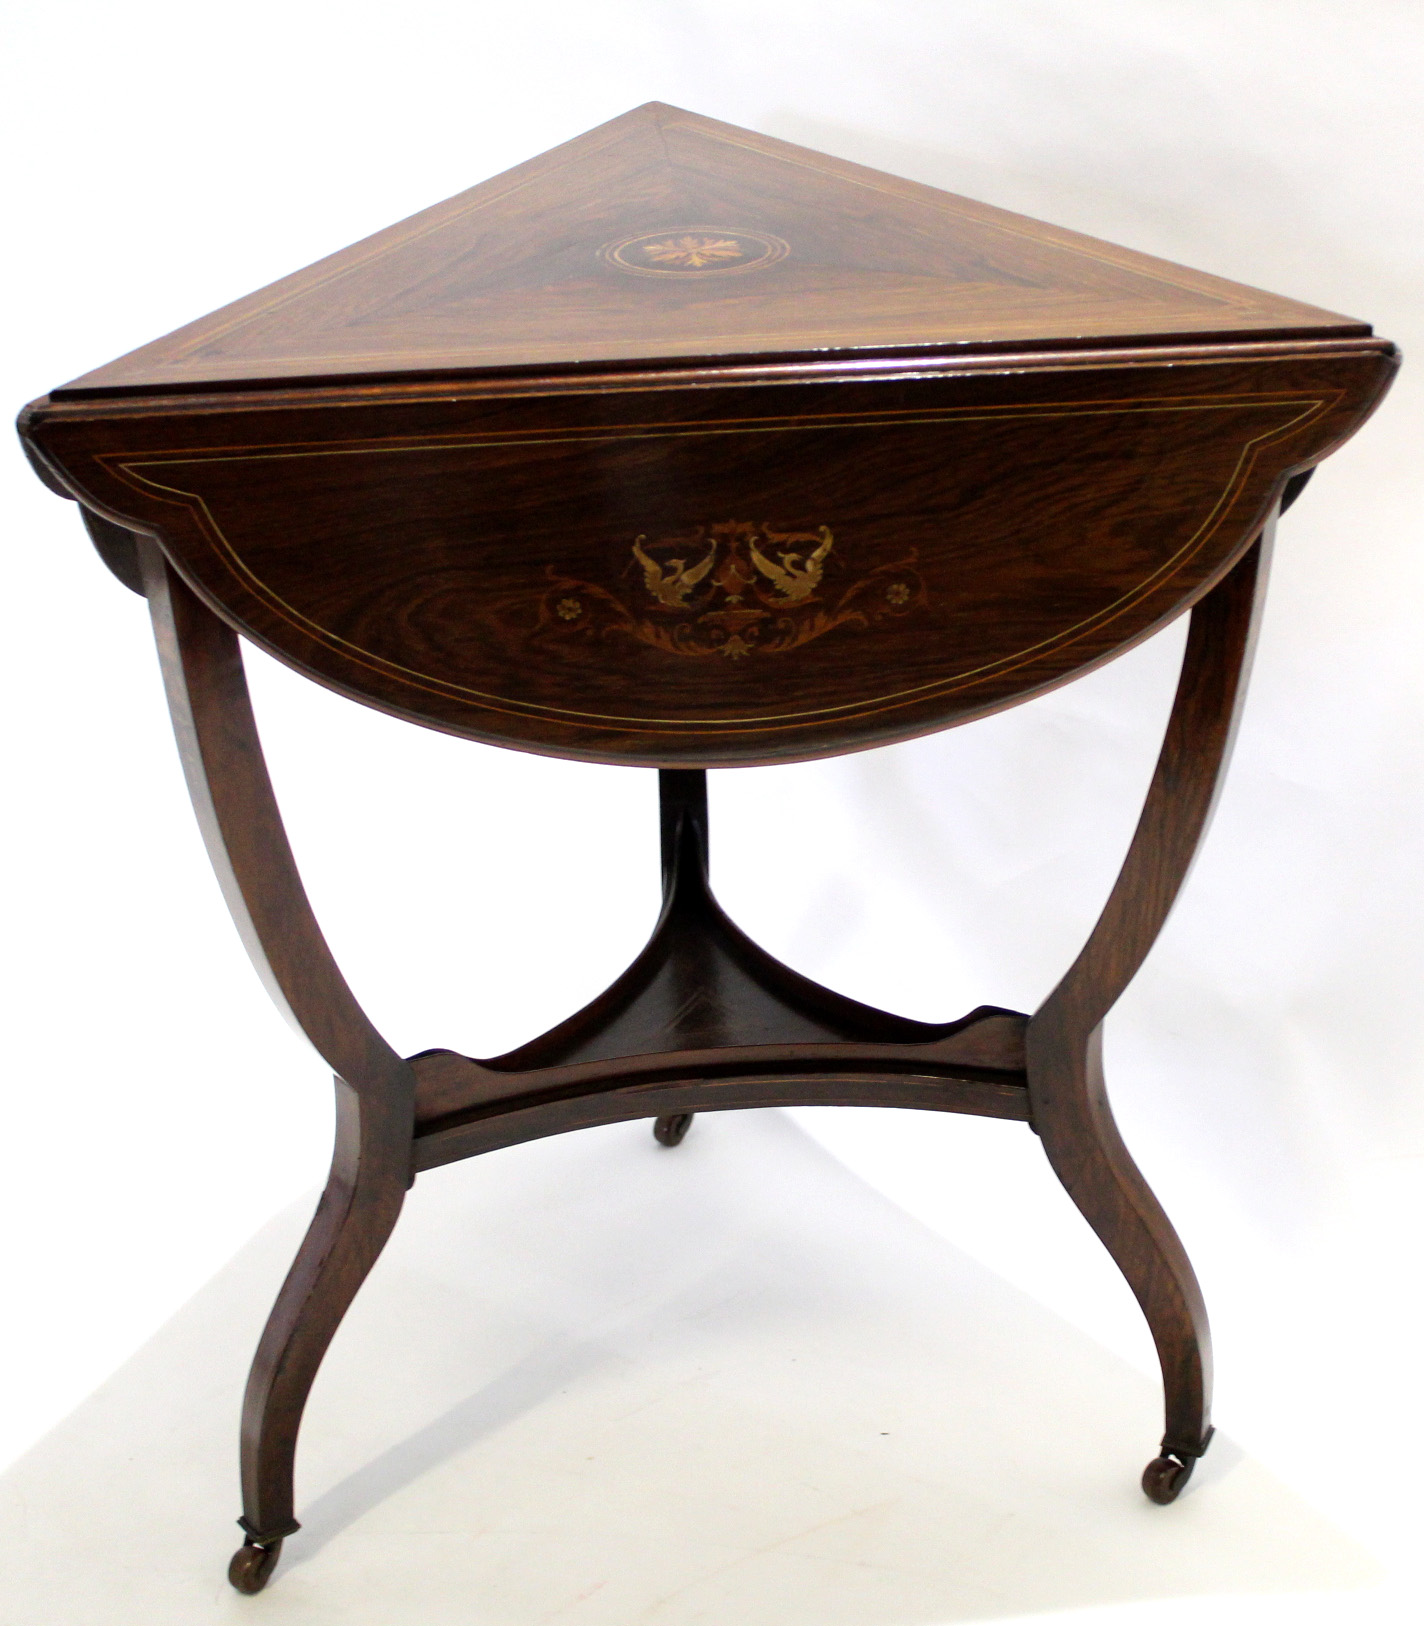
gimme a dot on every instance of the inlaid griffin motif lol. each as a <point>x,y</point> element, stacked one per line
<point>733,588</point>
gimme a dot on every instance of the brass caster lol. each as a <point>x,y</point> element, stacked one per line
<point>252,1565</point>
<point>669,1131</point>
<point>1164,1477</point>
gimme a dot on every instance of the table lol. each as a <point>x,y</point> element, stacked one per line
<point>684,448</point>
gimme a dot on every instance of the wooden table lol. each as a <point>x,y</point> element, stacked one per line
<point>685,448</point>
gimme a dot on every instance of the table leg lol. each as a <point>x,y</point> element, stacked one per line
<point>1064,1040</point>
<point>373,1162</point>
<point>358,1210</point>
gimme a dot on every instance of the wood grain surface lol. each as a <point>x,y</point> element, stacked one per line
<point>746,571</point>
<point>680,446</point>
<point>663,234</point>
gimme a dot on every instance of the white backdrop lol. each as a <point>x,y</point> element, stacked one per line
<point>166,158</point>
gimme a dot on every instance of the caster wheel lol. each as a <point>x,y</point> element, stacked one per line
<point>252,1566</point>
<point>669,1131</point>
<point>1164,1477</point>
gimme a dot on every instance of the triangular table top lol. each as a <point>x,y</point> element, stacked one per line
<point>665,236</point>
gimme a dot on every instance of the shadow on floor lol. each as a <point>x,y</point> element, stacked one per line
<point>597,1382</point>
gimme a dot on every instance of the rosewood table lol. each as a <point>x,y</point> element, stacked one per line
<point>685,448</point>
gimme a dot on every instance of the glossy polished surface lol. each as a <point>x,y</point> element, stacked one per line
<point>663,235</point>
<point>685,496</point>
<point>736,572</point>
<point>733,519</point>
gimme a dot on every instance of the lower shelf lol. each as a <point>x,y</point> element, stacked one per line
<point>530,1117</point>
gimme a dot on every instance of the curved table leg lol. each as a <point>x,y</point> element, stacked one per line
<point>375,1089</point>
<point>356,1214</point>
<point>1064,1039</point>
<point>1087,1153</point>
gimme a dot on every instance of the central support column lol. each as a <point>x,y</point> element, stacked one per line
<point>682,799</point>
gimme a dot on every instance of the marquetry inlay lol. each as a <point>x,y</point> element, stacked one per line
<point>695,251</point>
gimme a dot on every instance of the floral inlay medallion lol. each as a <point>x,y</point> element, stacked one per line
<point>695,251</point>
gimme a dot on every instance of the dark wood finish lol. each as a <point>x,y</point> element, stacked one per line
<point>705,1020</point>
<point>682,447</point>
<point>1064,1041</point>
<point>116,546</point>
<point>740,572</point>
<point>556,264</point>
<point>242,829</point>
<point>371,1164</point>
<point>672,1129</point>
